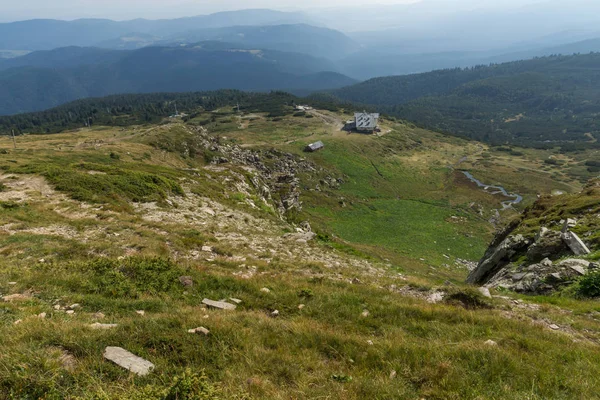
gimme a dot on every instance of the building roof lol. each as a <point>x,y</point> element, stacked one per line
<point>365,120</point>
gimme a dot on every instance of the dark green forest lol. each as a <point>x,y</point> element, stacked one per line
<point>542,102</point>
<point>134,109</point>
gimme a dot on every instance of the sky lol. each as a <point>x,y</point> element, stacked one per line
<point>13,10</point>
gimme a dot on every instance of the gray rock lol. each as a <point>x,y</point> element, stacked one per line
<point>221,305</point>
<point>578,269</point>
<point>568,224</point>
<point>548,243</point>
<point>575,244</point>
<point>435,297</point>
<point>574,262</point>
<point>485,292</point>
<point>546,262</point>
<point>103,326</point>
<point>186,281</point>
<point>555,276</point>
<point>128,360</point>
<point>518,277</point>
<point>496,258</point>
<point>236,301</point>
<point>201,331</point>
<point>491,343</point>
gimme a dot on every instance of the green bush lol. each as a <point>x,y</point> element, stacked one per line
<point>589,285</point>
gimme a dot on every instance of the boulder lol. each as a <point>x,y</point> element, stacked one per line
<point>128,360</point>
<point>575,244</point>
<point>547,244</point>
<point>496,258</point>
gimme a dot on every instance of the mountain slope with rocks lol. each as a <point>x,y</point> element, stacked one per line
<point>209,257</point>
<point>551,245</point>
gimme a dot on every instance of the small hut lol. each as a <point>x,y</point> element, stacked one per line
<point>311,148</point>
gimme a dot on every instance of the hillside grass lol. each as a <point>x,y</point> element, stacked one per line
<point>366,330</point>
<point>437,351</point>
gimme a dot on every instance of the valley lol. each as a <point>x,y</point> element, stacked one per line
<point>348,263</point>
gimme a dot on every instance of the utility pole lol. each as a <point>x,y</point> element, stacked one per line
<point>14,140</point>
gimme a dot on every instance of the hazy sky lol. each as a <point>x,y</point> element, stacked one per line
<point>126,9</point>
<point>11,10</point>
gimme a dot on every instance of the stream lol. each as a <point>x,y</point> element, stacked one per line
<point>516,198</point>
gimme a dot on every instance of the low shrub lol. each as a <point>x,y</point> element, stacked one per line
<point>589,285</point>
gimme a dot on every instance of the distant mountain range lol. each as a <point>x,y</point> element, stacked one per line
<point>542,102</point>
<point>42,80</point>
<point>50,34</point>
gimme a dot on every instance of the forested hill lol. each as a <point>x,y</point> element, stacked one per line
<point>133,109</point>
<point>540,102</point>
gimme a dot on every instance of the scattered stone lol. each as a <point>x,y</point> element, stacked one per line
<point>301,306</point>
<point>435,297</point>
<point>205,317</point>
<point>201,330</point>
<point>12,283</point>
<point>221,305</point>
<point>42,315</point>
<point>393,374</point>
<point>67,360</point>
<point>186,281</point>
<point>236,301</point>
<point>265,290</point>
<point>17,322</point>
<point>129,361</point>
<point>141,312</point>
<point>485,292</point>
<point>74,307</point>
<point>16,297</point>
<point>370,342</point>
<point>57,307</point>
<point>103,326</point>
<point>554,327</point>
<point>275,314</point>
<point>365,314</point>
<point>491,343</point>
<point>98,315</point>
<point>207,249</point>
<point>70,312</point>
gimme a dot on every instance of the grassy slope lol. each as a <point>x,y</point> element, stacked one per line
<point>322,350</point>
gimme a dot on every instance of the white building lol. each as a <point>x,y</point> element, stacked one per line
<point>366,122</point>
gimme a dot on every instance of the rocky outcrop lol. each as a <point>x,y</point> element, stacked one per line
<point>553,256</point>
<point>277,174</point>
<point>499,257</point>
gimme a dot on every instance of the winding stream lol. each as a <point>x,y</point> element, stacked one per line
<point>516,198</point>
